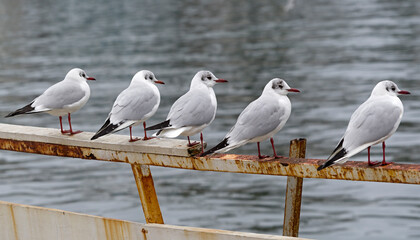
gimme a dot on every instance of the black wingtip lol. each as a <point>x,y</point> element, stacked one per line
<point>26,109</point>
<point>219,146</point>
<point>105,129</point>
<point>334,159</point>
<point>159,126</point>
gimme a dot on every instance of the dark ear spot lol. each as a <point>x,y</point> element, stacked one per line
<point>274,85</point>
<point>387,89</point>
<point>277,84</point>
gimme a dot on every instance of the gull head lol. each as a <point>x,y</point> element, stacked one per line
<point>207,78</point>
<point>145,75</point>
<point>279,86</point>
<point>78,75</point>
<point>387,87</point>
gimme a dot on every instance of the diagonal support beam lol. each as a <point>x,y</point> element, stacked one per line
<point>147,193</point>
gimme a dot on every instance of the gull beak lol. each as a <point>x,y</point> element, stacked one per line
<point>221,80</point>
<point>90,78</point>
<point>403,92</point>
<point>159,82</point>
<point>293,90</point>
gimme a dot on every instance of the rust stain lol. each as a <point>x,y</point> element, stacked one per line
<point>144,231</point>
<point>299,167</point>
<point>12,214</point>
<point>114,229</point>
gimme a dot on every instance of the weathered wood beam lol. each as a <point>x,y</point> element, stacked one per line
<point>175,154</point>
<point>28,222</point>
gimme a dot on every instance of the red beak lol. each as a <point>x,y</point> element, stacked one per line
<point>293,90</point>
<point>221,80</point>
<point>403,92</point>
<point>90,78</point>
<point>160,82</point>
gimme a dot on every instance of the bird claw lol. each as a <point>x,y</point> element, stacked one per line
<point>134,139</point>
<point>192,144</point>
<point>263,156</point>
<point>70,133</point>
<point>278,157</point>
<point>374,163</point>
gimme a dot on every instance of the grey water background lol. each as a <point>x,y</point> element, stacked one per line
<point>333,51</point>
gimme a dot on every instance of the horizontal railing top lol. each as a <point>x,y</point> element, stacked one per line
<point>175,153</point>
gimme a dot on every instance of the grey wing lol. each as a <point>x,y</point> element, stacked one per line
<point>133,104</point>
<point>60,95</point>
<point>371,122</point>
<point>192,109</point>
<point>257,119</point>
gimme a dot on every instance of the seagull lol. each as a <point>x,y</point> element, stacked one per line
<point>133,106</point>
<point>260,120</point>
<point>193,111</point>
<point>62,98</point>
<point>373,122</point>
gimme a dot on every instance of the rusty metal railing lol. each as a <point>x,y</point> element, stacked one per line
<point>175,154</point>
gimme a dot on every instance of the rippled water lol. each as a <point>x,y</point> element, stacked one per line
<point>334,51</point>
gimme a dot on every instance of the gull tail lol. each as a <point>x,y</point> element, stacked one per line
<point>169,132</point>
<point>25,110</point>
<point>337,156</point>
<point>107,128</point>
<point>159,125</point>
<point>218,147</point>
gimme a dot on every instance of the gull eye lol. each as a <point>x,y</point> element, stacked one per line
<point>209,78</point>
<point>83,74</point>
<point>150,77</point>
<point>393,88</point>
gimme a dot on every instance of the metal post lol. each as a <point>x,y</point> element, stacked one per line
<point>147,193</point>
<point>294,192</point>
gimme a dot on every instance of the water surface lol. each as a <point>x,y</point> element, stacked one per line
<point>333,51</point>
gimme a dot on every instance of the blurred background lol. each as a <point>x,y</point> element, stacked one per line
<point>333,51</point>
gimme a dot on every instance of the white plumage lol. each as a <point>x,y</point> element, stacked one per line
<point>193,111</point>
<point>133,106</point>
<point>373,122</point>
<point>62,98</point>
<point>261,119</point>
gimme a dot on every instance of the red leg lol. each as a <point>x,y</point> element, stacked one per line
<point>274,149</point>
<point>202,144</point>
<point>383,153</point>
<point>191,144</point>
<point>259,152</point>
<point>70,132</point>
<point>145,135</point>
<point>369,162</point>
<point>61,125</point>
<point>131,136</point>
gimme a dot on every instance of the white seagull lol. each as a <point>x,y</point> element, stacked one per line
<point>193,111</point>
<point>62,98</point>
<point>261,119</point>
<point>133,106</point>
<point>373,122</point>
